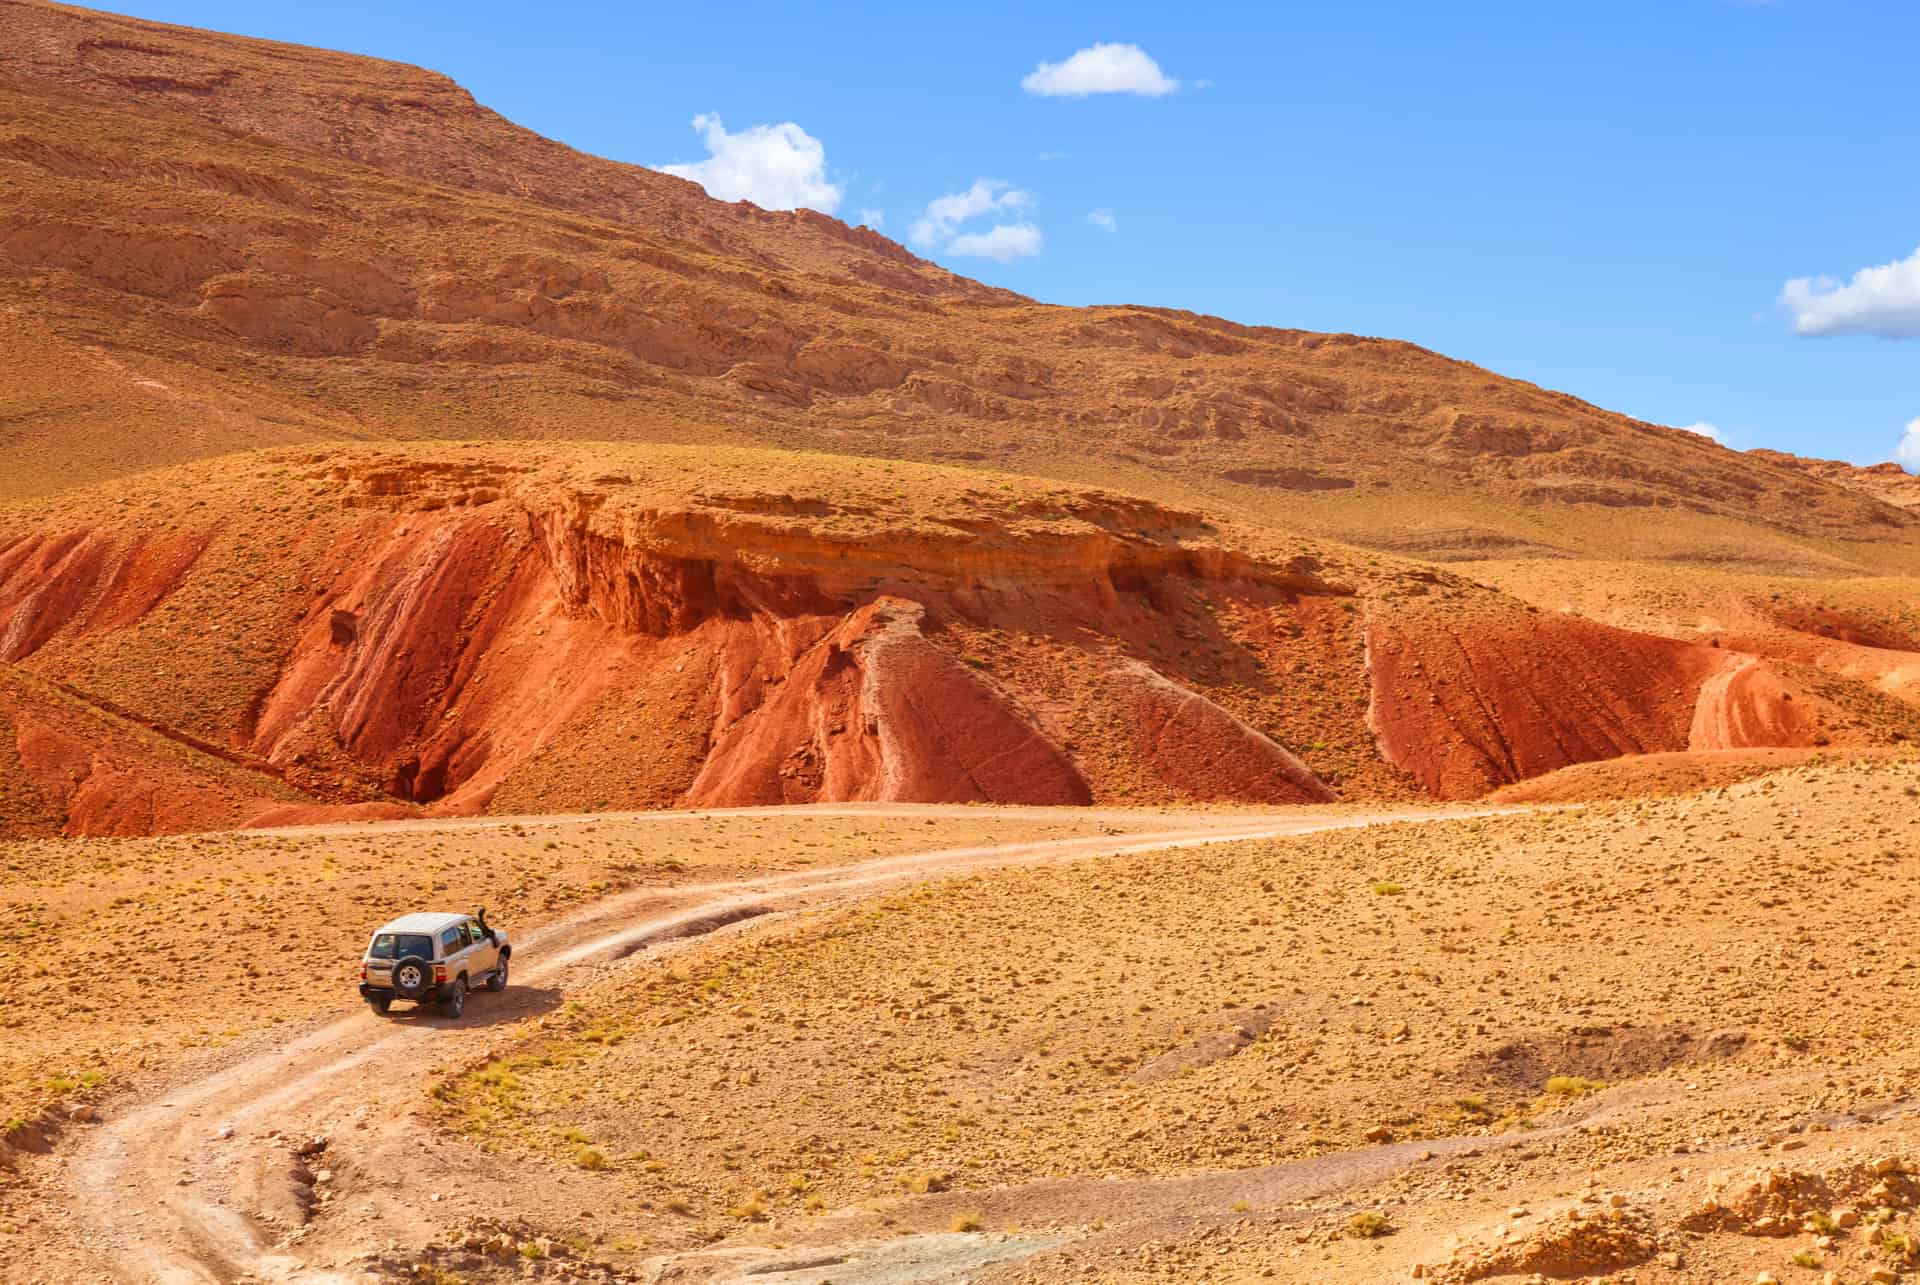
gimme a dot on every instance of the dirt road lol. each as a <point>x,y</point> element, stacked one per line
<point>170,1188</point>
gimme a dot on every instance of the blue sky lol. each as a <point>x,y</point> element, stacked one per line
<point>1608,199</point>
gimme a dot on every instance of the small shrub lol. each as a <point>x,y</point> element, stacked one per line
<point>1806,1258</point>
<point>967,1222</point>
<point>925,1182</point>
<point>1368,1225</point>
<point>1572,1086</point>
<point>590,1158</point>
<point>1387,888</point>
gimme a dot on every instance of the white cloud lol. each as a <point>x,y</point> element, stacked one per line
<point>1002,243</point>
<point>1052,156</point>
<point>875,219</point>
<point>945,214</point>
<point>1907,453</point>
<point>777,167</point>
<point>1883,301</point>
<point>1705,430</point>
<point>1100,69</point>
<point>1104,219</point>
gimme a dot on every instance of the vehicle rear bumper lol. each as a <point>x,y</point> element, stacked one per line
<point>433,994</point>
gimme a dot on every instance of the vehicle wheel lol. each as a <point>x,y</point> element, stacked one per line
<point>411,977</point>
<point>456,1001</point>
<point>498,982</point>
<point>379,1004</point>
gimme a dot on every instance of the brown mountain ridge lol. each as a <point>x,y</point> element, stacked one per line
<point>262,244</point>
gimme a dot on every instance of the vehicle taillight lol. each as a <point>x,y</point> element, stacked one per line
<point>363,972</point>
<point>439,972</point>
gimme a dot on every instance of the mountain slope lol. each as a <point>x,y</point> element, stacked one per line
<point>278,245</point>
<point>472,627</point>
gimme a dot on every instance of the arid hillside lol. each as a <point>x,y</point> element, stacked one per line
<point>307,632</point>
<point>213,243</point>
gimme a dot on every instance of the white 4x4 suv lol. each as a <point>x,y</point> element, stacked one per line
<point>433,958</point>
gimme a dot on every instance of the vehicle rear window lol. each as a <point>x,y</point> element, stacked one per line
<point>400,945</point>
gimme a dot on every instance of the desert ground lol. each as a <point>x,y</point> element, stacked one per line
<point>1661,1039</point>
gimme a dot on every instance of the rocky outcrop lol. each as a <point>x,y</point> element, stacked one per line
<point>469,629</point>
<point>457,626</point>
<point>1887,482</point>
<point>1205,750</point>
<point>873,710</point>
<point>1468,705</point>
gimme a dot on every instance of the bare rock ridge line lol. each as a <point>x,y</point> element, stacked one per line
<point>280,245</point>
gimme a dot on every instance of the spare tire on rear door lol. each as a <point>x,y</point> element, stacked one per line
<point>412,977</point>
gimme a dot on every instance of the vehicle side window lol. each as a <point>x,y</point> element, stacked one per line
<point>473,932</point>
<point>453,940</point>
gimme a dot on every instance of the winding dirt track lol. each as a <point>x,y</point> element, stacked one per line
<point>156,1202</point>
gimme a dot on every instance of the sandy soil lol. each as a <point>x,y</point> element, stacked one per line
<point>1657,1038</point>
<point>264,1083</point>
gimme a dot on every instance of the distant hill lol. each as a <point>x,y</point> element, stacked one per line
<point>209,243</point>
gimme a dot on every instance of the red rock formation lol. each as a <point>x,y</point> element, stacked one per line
<point>461,628</point>
<point>873,710</point>
<point>1468,705</point>
<point>1187,740</point>
<point>583,629</point>
<point>68,767</point>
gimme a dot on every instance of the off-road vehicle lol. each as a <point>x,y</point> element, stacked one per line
<point>433,958</point>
